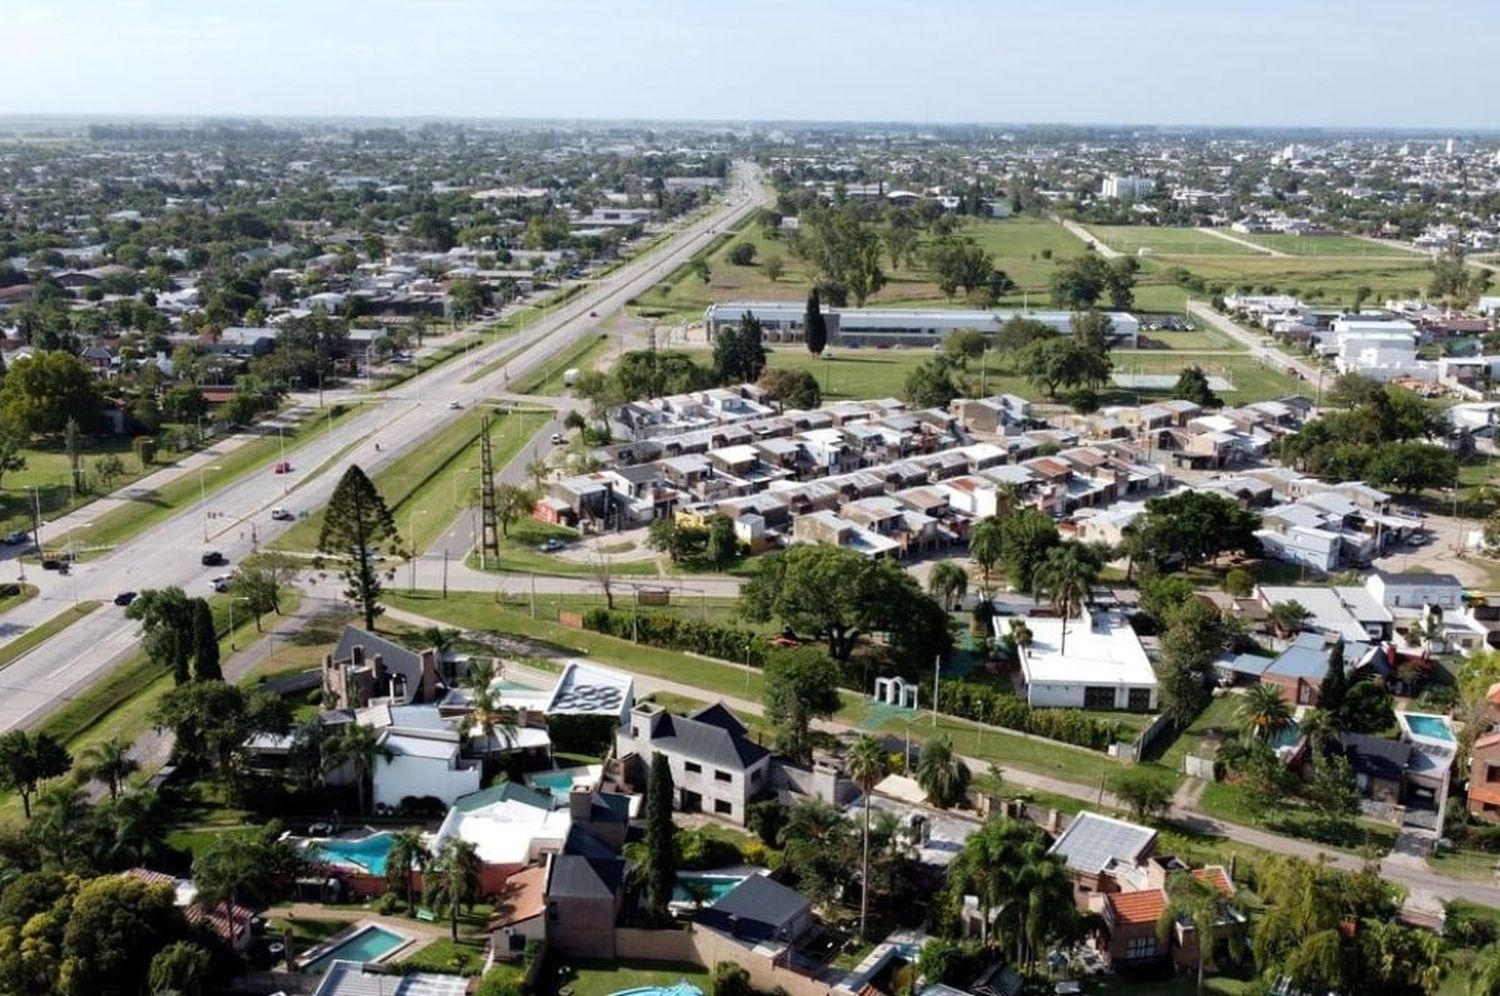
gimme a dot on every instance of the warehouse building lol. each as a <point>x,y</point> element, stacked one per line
<point>781,321</point>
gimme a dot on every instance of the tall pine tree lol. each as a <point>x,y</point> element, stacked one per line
<point>1335,684</point>
<point>356,528</point>
<point>205,643</point>
<point>814,326</point>
<point>661,845</point>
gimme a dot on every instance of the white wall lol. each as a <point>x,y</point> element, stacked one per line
<point>1070,696</point>
<point>402,776</point>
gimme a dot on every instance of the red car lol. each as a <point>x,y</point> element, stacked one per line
<point>283,467</point>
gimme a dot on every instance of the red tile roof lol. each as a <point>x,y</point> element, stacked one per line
<point>1488,740</point>
<point>1486,793</point>
<point>1216,876</point>
<point>1493,693</point>
<point>1144,906</point>
<point>219,918</point>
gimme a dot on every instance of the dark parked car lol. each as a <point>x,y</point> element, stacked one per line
<point>19,536</point>
<point>125,598</point>
<point>212,558</point>
<point>54,564</point>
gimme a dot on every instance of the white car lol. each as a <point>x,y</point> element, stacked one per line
<point>455,405</point>
<point>221,583</point>
<point>282,515</point>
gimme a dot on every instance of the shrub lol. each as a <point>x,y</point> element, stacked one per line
<point>697,850</point>
<point>499,981</point>
<point>766,820</point>
<point>389,903</point>
<point>657,629</point>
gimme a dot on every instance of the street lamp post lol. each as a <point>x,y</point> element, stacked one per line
<point>411,533</point>
<point>240,598</point>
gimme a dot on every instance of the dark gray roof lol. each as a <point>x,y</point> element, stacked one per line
<point>718,738</point>
<point>760,907</point>
<point>580,843</point>
<point>609,807</point>
<point>1428,580</point>
<point>1376,756</point>
<point>577,877</point>
<point>396,658</point>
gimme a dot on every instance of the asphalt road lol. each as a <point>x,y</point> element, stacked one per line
<point>168,553</point>
<point>1272,356</point>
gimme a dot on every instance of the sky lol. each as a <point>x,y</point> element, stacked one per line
<point>1342,63</point>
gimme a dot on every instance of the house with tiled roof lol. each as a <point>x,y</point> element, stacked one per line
<point>230,921</point>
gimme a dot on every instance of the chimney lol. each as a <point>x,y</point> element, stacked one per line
<point>358,656</point>
<point>580,804</point>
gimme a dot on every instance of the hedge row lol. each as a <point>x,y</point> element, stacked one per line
<point>987,704</point>
<point>657,629</point>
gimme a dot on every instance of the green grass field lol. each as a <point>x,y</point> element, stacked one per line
<point>1175,241</point>
<point>548,378</point>
<point>1318,280</point>
<point>427,487</point>
<point>1323,245</point>
<point>47,470</point>
<point>870,373</point>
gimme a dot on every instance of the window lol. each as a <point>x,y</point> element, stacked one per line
<point>723,808</point>
<point>635,733</point>
<point>755,777</point>
<point>722,776</point>
<point>693,767</point>
<point>1140,947</point>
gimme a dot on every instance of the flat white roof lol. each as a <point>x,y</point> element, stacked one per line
<point>1102,649</point>
<point>506,832</point>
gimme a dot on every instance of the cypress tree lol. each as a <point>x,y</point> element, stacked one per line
<point>205,643</point>
<point>1335,683</point>
<point>814,326</point>
<point>661,845</point>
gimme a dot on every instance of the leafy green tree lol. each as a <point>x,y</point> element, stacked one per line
<point>818,844</point>
<point>987,544</point>
<point>205,638</point>
<point>1198,905</point>
<point>1050,363</point>
<point>942,774</point>
<point>1078,284</point>
<point>773,265</point>
<point>166,616</point>
<point>792,388</point>
<point>1410,467</point>
<point>11,458</point>
<point>739,352</point>
<point>1192,385</point>
<point>1333,793</point>
<point>211,719</point>
<point>513,502</point>
<point>722,546</point>
<point>801,685</point>
<point>182,968</point>
<point>932,384</point>
<point>114,930</point>
<point>1288,618</point>
<point>42,392</point>
<point>1144,794</point>
<point>1335,684</point>
<point>27,760</point>
<point>1026,537</point>
<point>357,526</point>
<point>260,579</point>
<point>661,836</point>
<point>868,764</point>
<point>1194,638</point>
<point>845,250</point>
<point>814,325</point>
<point>742,253</point>
<point>1366,709</point>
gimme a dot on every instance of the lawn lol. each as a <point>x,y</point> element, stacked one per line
<point>152,506</point>
<point>684,604</point>
<point>1217,719</point>
<point>1473,865</point>
<point>480,611</point>
<point>427,487</point>
<point>45,631</point>
<point>1199,340</point>
<point>47,470</point>
<point>519,554</point>
<point>601,978</point>
<point>1226,801</point>
<point>882,373</point>
<point>1176,241</point>
<point>24,593</point>
<point>1318,280</point>
<point>1323,245</point>
<point>548,379</point>
<point>442,955</point>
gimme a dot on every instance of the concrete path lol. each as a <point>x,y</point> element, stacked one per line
<point>1083,233</point>
<point>1231,237</point>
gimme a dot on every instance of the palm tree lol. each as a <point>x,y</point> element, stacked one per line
<point>1320,726</point>
<point>948,583</point>
<point>1288,618</point>
<point>1196,905</point>
<point>868,764</point>
<point>487,719</point>
<point>538,470</point>
<point>1048,904</point>
<point>358,746</point>
<point>483,672</point>
<point>109,762</point>
<point>943,775</point>
<point>1426,631</point>
<point>986,545</point>
<point>131,827</point>
<point>225,872</point>
<point>63,816</point>
<point>1264,711</point>
<point>441,639</point>
<point>408,855</point>
<point>1484,976</point>
<point>453,879</point>
<point>1065,577</point>
<point>699,893</point>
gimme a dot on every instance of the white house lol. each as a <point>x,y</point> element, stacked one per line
<point>1414,592</point>
<point>1093,662</point>
<point>423,755</point>
<point>716,767</point>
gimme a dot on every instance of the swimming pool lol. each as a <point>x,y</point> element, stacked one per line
<point>367,944</point>
<point>556,782</point>
<point>1431,727</point>
<point>1287,736</point>
<point>683,988</point>
<point>719,886</point>
<point>367,854</point>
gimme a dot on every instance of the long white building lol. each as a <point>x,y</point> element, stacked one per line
<point>781,321</point>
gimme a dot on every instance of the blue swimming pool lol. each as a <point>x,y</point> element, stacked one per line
<point>368,854</point>
<point>719,886</point>
<point>1431,727</point>
<point>683,988</point>
<point>556,782</point>
<point>366,945</point>
<point>1286,736</point>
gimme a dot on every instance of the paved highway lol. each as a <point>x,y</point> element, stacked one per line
<point>168,554</point>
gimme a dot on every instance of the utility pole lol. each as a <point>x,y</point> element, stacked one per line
<point>489,523</point>
<point>937,666</point>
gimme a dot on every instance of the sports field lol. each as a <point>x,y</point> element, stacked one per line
<point>1323,245</point>
<point>1129,239</point>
